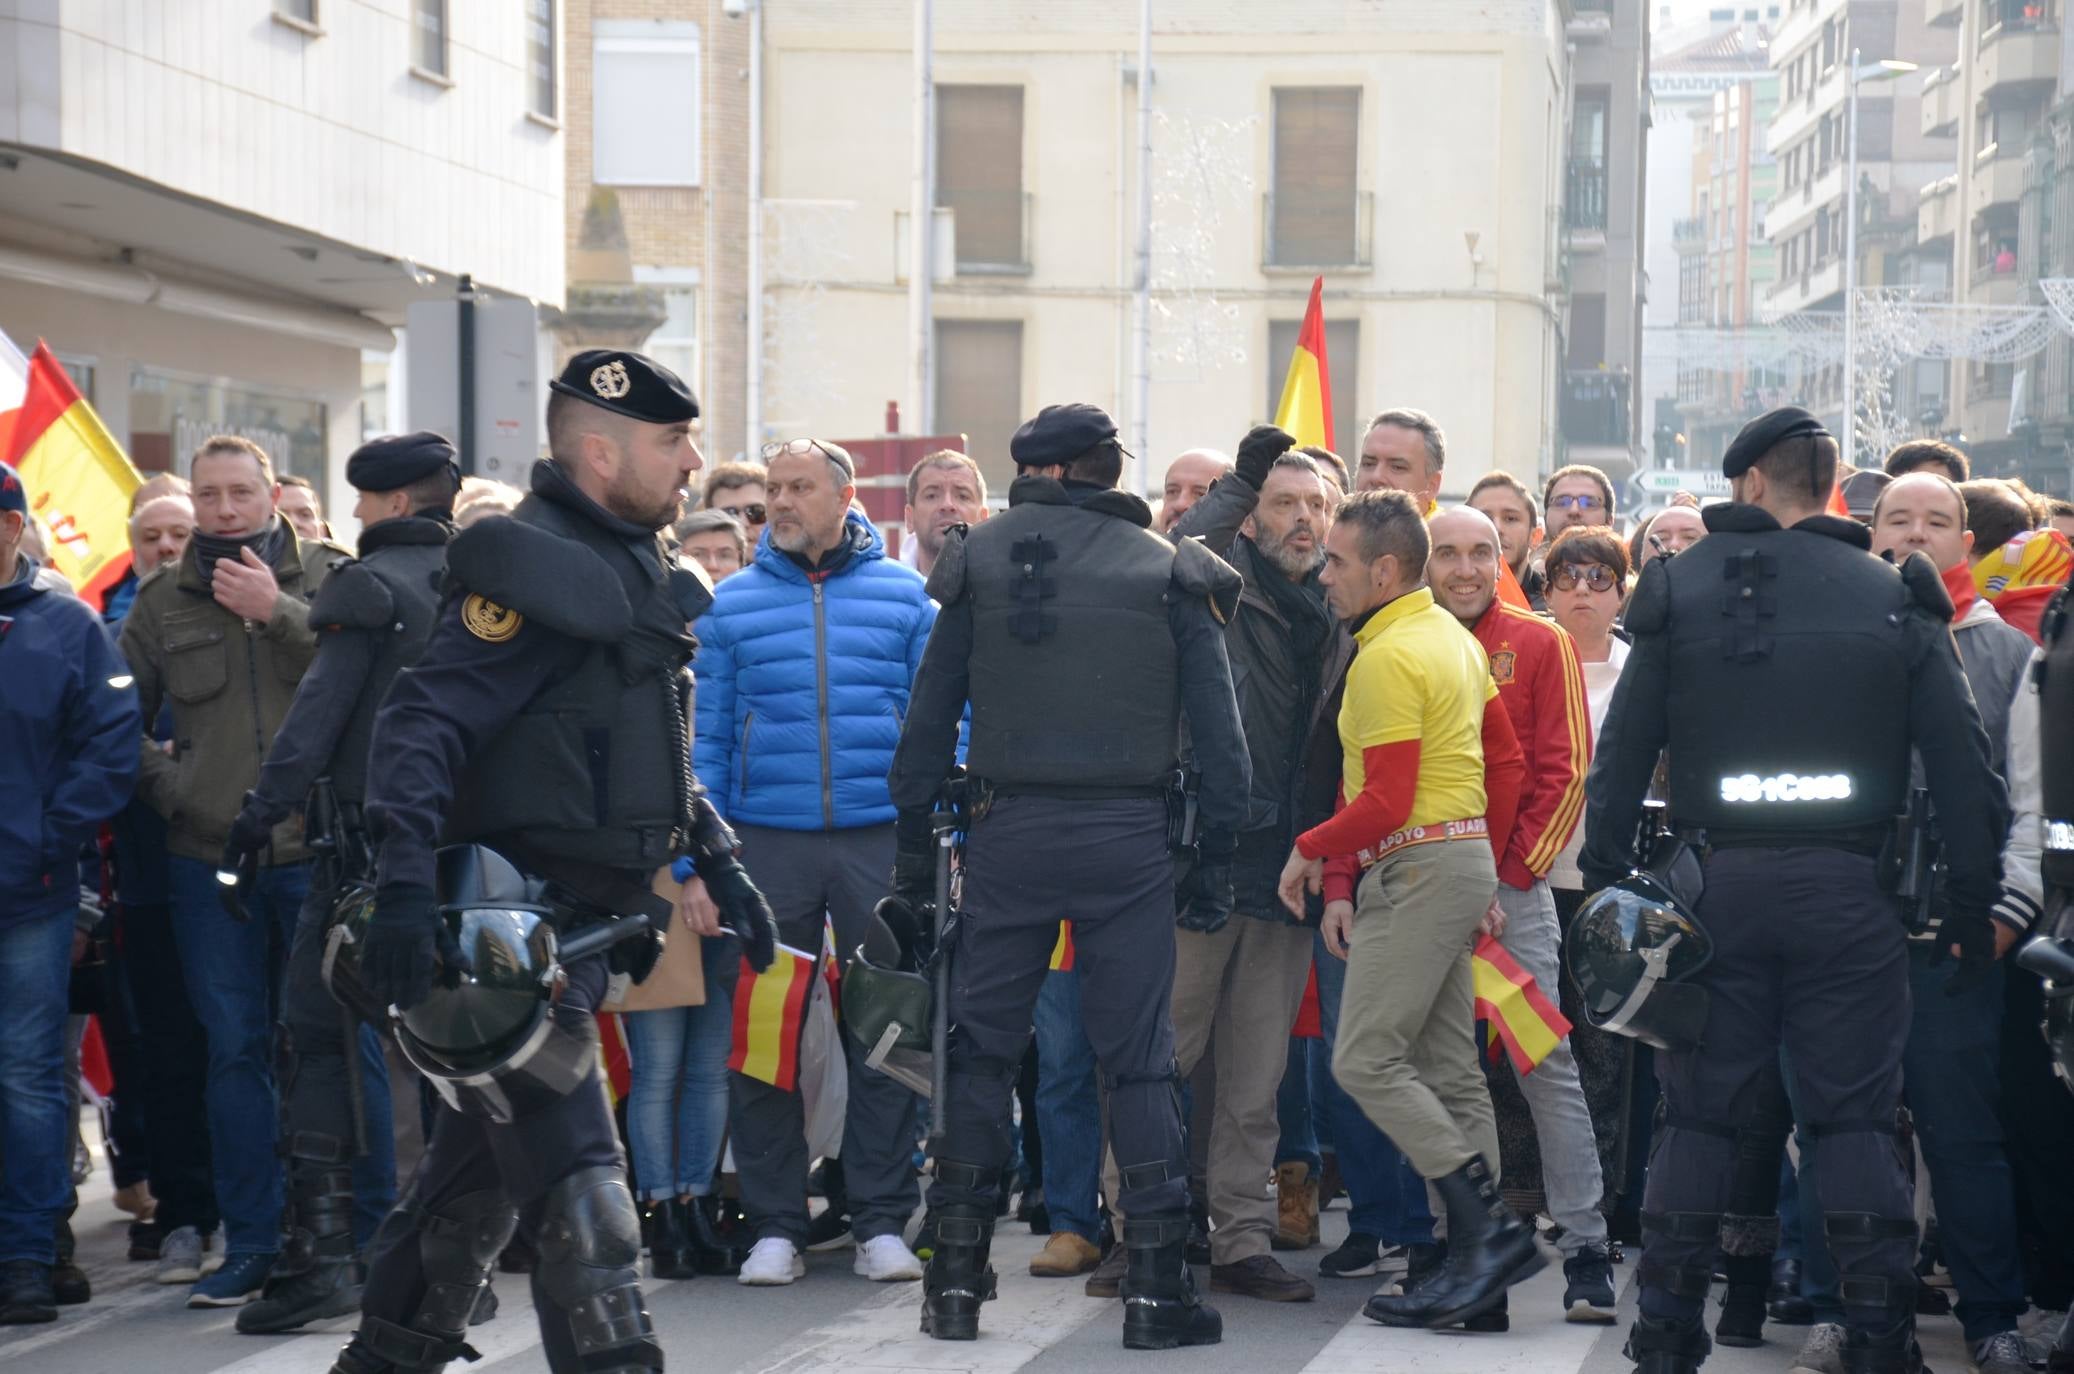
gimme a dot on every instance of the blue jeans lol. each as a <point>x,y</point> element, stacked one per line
<point>35,1141</point>
<point>1386,1198</point>
<point>1302,1102</point>
<point>233,971</point>
<point>677,1106</point>
<point>1069,1114</point>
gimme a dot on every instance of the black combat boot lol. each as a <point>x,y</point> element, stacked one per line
<point>68,1282</point>
<point>1667,1347</point>
<point>1892,1351</point>
<point>1161,1309</point>
<point>25,1293</point>
<point>382,1347</point>
<point>1742,1304</point>
<point>316,1277</point>
<point>718,1233</point>
<point>957,1279</point>
<point>1489,1250</point>
<point>668,1227</point>
<point>1784,1303</point>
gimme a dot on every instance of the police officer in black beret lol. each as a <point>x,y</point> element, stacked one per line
<point>371,616</point>
<point>1788,674</point>
<point>1080,638</point>
<point>547,721</point>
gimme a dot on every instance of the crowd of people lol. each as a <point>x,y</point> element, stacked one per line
<point>173,749</point>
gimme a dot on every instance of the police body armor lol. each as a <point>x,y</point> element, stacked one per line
<point>2056,761</point>
<point>1787,686</point>
<point>1074,677</point>
<point>392,593</point>
<point>597,767</point>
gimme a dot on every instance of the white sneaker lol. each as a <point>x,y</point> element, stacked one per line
<point>773,1263</point>
<point>884,1259</point>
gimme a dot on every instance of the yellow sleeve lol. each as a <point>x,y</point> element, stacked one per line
<point>1386,699</point>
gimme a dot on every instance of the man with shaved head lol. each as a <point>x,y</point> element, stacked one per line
<point>1188,481</point>
<point>1535,667</point>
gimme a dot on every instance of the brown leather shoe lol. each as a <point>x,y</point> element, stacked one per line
<point>1107,1279</point>
<point>1260,1276</point>
<point>1296,1207</point>
<point>1064,1255</point>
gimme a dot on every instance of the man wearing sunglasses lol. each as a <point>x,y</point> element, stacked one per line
<point>1079,637</point>
<point>1789,674</point>
<point>740,490</point>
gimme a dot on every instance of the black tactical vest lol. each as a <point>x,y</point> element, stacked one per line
<point>2056,721</point>
<point>1074,678</point>
<point>597,767</point>
<point>412,574</point>
<point>1788,684</point>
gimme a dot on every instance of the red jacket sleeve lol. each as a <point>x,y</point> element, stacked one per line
<point>1558,753</point>
<point>1504,773</point>
<point>1389,779</point>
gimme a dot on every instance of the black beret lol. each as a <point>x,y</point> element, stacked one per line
<point>1059,434</point>
<point>628,384</point>
<point>1766,433</point>
<point>398,460</point>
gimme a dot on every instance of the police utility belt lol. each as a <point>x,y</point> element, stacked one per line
<point>1440,832</point>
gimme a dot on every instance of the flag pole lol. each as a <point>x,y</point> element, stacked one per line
<point>1141,330</point>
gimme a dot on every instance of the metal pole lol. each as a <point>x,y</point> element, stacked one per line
<point>1141,331</point>
<point>921,265</point>
<point>1851,264</point>
<point>464,330</point>
<point>752,433</point>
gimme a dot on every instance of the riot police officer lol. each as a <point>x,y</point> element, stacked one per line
<point>1788,673</point>
<point>545,721</point>
<point>1080,638</point>
<point>372,617</point>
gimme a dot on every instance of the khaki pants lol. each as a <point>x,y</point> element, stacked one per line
<point>1406,1051</point>
<point>1240,985</point>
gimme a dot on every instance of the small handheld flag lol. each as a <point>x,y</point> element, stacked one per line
<point>1508,997</point>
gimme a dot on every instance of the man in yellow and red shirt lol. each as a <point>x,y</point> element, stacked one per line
<point>1417,822</point>
<point>1534,666</point>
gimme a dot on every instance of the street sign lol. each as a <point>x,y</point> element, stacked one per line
<point>1667,481</point>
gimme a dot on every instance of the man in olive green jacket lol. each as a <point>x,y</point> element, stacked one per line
<point>220,639</point>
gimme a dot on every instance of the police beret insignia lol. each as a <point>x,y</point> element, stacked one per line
<point>489,622</point>
<point>610,381</point>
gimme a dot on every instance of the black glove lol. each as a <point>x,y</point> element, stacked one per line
<point>235,875</point>
<point>914,859</point>
<point>1974,933</point>
<point>1258,451</point>
<point>743,907</point>
<point>407,945</point>
<point>636,955</point>
<point>252,831</point>
<point>1205,898</point>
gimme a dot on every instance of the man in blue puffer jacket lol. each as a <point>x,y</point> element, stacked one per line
<point>805,664</point>
<point>68,760</point>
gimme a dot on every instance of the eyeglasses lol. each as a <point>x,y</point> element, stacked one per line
<point>800,448</point>
<point>1596,576</point>
<point>1576,503</point>
<point>750,513</point>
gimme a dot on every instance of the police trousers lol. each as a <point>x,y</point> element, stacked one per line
<point>520,1161</point>
<point>1105,866</point>
<point>1808,953</point>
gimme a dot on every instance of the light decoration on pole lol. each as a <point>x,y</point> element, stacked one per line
<point>1200,171</point>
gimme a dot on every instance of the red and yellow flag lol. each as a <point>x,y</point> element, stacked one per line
<point>770,1009</point>
<point>613,1059</point>
<point>1062,952</point>
<point>1508,997</point>
<point>2022,576</point>
<point>78,477</point>
<point>1305,410</point>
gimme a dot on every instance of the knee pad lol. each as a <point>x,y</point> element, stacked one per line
<point>590,1239</point>
<point>457,1244</point>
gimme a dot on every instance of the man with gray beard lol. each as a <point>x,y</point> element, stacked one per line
<point>1241,980</point>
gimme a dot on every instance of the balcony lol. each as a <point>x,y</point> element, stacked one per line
<point>2004,288</point>
<point>1595,408</point>
<point>1998,178</point>
<point>1689,235</point>
<point>1944,14</point>
<point>1794,206</point>
<point>1590,19</point>
<point>1584,195</point>
<point>1307,230</point>
<point>1944,101</point>
<point>1794,119</point>
<point>1937,211</point>
<point>993,230</point>
<point>2020,53</point>
<point>1804,290</point>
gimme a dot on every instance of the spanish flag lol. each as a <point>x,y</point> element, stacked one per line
<point>770,1009</point>
<point>1062,952</point>
<point>78,477</point>
<point>1305,410</point>
<point>2022,576</point>
<point>1508,997</point>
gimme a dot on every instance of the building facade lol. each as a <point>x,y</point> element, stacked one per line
<point>214,217</point>
<point>1415,158</point>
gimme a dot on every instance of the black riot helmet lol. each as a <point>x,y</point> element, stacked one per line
<point>2051,957</point>
<point>887,996</point>
<point>486,1037</point>
<point>1630,950</point>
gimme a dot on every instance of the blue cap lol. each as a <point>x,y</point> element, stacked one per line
<point>14,495</point>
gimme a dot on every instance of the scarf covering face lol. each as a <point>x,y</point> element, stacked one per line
<point>269,543</point>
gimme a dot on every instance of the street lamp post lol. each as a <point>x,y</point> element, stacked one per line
<point>1884,69</point>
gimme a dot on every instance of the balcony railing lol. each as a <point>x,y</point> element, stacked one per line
<point>1311,229</point>
<point>993,230</point>
<point>1595,408</point>
<point>1692,231</point>
<point>1584,195</point>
